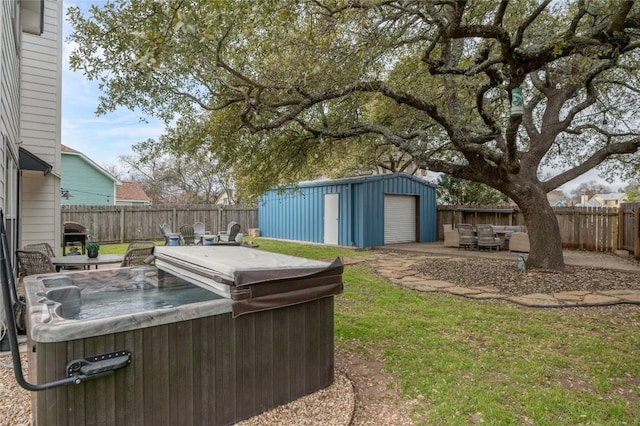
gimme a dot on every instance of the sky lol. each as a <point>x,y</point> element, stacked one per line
<point>103,139</point>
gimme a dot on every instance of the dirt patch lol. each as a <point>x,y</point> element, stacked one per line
<point>378,398</point>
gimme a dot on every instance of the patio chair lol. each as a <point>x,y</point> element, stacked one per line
<point>487,238</point>
<point>199,230</point>
<point>188,235</point>
<point>165,229</point>
<point>41,247</point>
<point>230,234</point>
<point>519,241</point>
<point>450,235</point>
<point>139,253</point>
<point>34,262</point>
<point>466,236</point>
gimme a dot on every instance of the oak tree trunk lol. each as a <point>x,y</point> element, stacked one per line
<point>544,233</point>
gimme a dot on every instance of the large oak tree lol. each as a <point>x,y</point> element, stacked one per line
<point>287,87</point>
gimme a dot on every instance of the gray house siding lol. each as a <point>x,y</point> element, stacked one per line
<point>40,120</point>
<point>9,117</point>
<point>298,213</point>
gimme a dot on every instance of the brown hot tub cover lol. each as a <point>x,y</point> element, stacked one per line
<point>254,280</point>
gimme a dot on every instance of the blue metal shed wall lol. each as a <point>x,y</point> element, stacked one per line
<point>300,215</point>
<point>371,198</point>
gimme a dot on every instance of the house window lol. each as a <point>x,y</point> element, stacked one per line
<point>15,23</point>
<point>32,16</point>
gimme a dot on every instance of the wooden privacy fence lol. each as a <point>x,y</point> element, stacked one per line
<point>582,228</point>
<point>629,228</point>
<point>113,224</point>
<point>588,228</point>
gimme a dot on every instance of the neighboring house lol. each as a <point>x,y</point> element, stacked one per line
<point>131,194</point>
<point>84,182</point>
<point>613,199</point>
<point>556,198</point>
<point>30,86</point>
<point>226,198</point>
<point>588,203</point>
<point>363,211</point>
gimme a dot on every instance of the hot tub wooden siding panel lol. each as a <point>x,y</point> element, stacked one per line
<point>214,370</point>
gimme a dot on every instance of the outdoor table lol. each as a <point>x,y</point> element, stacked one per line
<point>85,261</point>
<point>504,242</point>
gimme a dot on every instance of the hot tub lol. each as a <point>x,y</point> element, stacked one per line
<point>215,335</point>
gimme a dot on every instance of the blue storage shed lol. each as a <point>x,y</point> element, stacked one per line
<point>363,211</point>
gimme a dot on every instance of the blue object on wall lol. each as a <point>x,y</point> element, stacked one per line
<point>297,213</point>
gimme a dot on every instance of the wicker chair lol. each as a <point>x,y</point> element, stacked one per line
<point>34,262</point>
<point>188,235</point>
<point>450,235</point>
<point>41,247</point>
<point>466,236</point>
<point>487,238</point>
<point>519,242</point>
<point>230,234</point>
<point>139,253</point>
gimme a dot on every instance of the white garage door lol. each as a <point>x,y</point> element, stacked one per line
<point>399,219</point>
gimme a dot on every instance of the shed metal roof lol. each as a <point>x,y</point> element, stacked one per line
<point>362,179</point>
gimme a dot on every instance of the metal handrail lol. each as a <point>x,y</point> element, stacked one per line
<point>8,290</point>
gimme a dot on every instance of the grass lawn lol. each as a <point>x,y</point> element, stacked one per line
<point>467,361</point>
<point>120,248</point>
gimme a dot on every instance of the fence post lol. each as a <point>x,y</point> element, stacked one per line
<point>636,233</point>
<point>174,220</point>
<point>620,239</point>
<point>122,224</point>
<point>614,231</point>
<point>576,229</point>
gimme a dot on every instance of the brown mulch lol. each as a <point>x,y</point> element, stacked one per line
<point>504,275</point>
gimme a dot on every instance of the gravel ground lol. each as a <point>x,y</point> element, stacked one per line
<point>503,275</point>
<point>15,403</point>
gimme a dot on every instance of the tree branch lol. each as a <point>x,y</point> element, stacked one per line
<point>523,27</point>
<point>597,158</point>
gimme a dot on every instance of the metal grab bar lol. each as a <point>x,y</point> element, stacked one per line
<point>90,368</point>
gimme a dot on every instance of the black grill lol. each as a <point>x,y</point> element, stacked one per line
<point>74,234</point>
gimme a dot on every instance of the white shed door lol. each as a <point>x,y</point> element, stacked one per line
<point>399,219</point>
<point>331,218</point>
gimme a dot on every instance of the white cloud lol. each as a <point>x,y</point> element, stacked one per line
<point>102,138</point>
